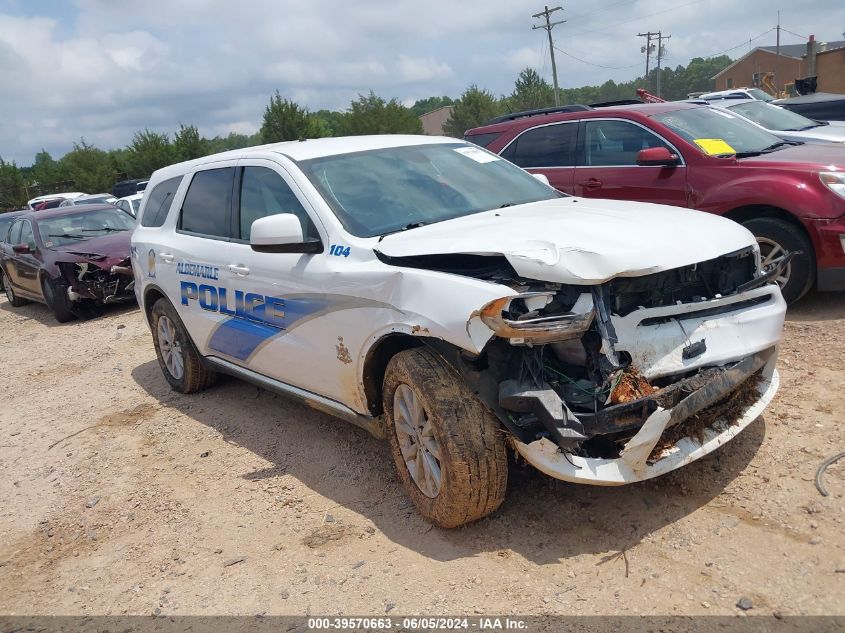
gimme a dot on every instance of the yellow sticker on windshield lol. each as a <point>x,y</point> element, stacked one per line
<point>714,146</point>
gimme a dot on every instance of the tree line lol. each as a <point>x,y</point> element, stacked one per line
<point>90,169</point>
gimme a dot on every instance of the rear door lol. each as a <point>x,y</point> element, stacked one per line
<point>10,256</point>
<point>607,164</point>
<point>547,149</point>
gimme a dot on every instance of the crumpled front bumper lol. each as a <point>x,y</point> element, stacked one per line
<point>634,462</point>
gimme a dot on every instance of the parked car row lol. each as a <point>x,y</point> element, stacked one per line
<point>790,195</point>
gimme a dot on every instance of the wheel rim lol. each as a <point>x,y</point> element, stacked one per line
<point>417,442</point>
<point>7,286</point>
<point>171,349</point>
<point>772,253</point>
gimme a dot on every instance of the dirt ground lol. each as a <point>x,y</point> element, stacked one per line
<point>122,497</point>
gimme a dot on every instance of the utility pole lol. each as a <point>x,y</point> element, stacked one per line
<point>549,26</point>
<point>660,38</point>
<point>647,50</point>
<point>777,60</point>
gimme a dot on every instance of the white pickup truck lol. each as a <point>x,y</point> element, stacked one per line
<point>444,299</point>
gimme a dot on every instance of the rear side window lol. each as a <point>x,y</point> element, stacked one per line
<point>159,201</point>
<point>263,193</point>
<point>482,140</point>
<point>547,146</point>
<point>208,203</point>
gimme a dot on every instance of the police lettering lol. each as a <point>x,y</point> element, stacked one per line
<point>244,305</point>
<point>197,270</point>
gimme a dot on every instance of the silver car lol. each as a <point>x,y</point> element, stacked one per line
<point>784,123</point>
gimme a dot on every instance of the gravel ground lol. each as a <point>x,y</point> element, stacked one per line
<point>122,497</point>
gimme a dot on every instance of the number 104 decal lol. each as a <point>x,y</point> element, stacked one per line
<point>339,250</point>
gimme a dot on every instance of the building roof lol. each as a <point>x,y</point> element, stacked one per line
<point>794,51</point>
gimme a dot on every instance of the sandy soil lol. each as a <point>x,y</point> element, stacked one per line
<point>122,497</point>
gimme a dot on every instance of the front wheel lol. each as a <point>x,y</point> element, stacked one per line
<point>55,296</point>
<point>448,448</point>
<point>179,360</point>
<point>777,238</point>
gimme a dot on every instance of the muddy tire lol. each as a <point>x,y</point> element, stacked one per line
<point>55,296</point>
<point>178,358</point>
<point>13,299</point>
<point>777,237</point>
<point>431,413</point>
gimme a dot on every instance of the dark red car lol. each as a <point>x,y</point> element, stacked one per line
<point>791,196</point>
<point>68,258</point>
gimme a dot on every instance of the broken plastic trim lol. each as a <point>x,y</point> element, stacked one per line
<point>548,329</point>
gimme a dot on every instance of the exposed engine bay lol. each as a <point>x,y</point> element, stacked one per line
<point>98,280</point>
<point>625,369</point>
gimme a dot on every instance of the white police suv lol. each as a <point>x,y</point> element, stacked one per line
<point>444,299</point>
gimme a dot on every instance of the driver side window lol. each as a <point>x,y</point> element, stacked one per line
<point>265,193</point>
<point>26,235</point>
<point>616,143</point>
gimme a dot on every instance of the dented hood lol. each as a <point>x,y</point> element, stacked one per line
<point>579,240</point>
<point>104,251</point>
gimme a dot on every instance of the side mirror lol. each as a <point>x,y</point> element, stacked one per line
<point>542,178</point>
<point>657,157</point>
<point>21,249</point>
<point>281,233</point>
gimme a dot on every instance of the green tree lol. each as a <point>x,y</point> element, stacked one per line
<point>473,108</point>
<point>90,168</point>
<point>530,92</point>
<point>188,144</point>
<point>13,193</point>
<point>422,106</point>
<point>373,115</point>
<point>45,170</point>
<point>149,151</point>
<point>285,120</point>
<point>334,122</point>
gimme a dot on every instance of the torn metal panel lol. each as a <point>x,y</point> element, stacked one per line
<point>584,241</point>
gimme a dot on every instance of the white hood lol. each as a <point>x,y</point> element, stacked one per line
<point>579,240</point>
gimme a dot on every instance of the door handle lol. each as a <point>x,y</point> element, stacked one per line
<point>167,257</point>
<point>238,269</point>
<point>590,183</point>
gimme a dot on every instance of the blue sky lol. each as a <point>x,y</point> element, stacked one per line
<point>102,69</point>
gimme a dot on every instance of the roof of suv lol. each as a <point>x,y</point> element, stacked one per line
<point>312,148</point>
<point>646,109</point>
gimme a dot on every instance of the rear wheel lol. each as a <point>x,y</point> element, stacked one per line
<point>777,238</point>
<point>55,296</point>
<point>16,301</point>
<point>448,449</point>
<point>178,358</point>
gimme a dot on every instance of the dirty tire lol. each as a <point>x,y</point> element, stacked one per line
<point>474,465</point>
<point>791,238</point>
<point>195,376</point>
<point>55,296</point>
<point>13,299</point>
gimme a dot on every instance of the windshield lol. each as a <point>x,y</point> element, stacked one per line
<point>772,117</point>
<point>76,227</point>
<point>760,95</point>
<point>387,190</point>
<point>700,125</point>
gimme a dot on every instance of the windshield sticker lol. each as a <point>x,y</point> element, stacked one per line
<point>478,155</point>
<point>714,146</point>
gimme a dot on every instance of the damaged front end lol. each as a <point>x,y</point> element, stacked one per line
<point>631,378</point>
<point>98,279</point>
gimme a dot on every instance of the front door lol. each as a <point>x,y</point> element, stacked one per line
<point>28,264</point>
<point>608,165</point>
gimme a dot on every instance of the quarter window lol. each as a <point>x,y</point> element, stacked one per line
<point>263,193</point>
<point>616,143</point>
<point>15,233</point>
<point>547,146</point>
<point>26,235</point>
<point>208,203</point>
<point>159,201</point>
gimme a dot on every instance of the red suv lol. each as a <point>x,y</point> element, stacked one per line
<point>791,196</point>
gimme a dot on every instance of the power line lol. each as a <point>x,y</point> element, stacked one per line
<point>640,17</point>
<point>795,34</point>
<point>560,50</point>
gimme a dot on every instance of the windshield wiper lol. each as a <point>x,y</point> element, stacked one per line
<point>410,225</point>
<point>767,150</point>
<point>105,228</point>
<point>67,235</point>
